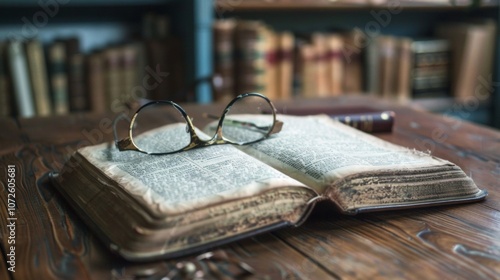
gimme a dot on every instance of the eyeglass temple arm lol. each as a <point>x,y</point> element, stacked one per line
<point>125,143</point>
<point>277,124</point>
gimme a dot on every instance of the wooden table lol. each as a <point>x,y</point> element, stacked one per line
<point>447,242</point>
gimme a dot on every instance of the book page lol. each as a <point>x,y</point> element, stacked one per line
<point>186,180</point>
<point>317,150</point>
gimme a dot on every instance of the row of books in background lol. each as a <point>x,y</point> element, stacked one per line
<point>251,56</point>
<point>57,78</point>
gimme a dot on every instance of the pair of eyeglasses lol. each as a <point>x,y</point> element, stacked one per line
<point>248,118</point>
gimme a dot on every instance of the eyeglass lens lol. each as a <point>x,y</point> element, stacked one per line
<point>249,119</point>
<point>161,127</point>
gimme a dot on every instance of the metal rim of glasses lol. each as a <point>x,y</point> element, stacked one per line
<point>128,144</point>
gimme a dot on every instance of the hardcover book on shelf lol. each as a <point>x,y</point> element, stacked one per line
<point>472,49</point>
<point>79,99</point>
<point>112,75</point>
<point>163,60</point>
<point>20,79</point>
<point>128,56</point>
<point>336,64</point>
<point>147,207</point>
<point>39,78</point>
<point>271,62</point>
<point>164,57</point>
<point>77,93</point>
<point>320,45</point>
<point>403,69</point>
<point>58,78</point>
<point>431,68</point>
<point>285,64</point>
<point>5,91</point>
<point>387,66</point>
<point>307,70</point>
<point>250,56</point>
<point>95,82</point>
<point>223,32</point>
<point>353,69</point>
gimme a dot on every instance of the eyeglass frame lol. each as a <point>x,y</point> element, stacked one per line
<point>128,144</point>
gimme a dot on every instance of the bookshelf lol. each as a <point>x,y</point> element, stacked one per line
<point>102,23</point>
<point>99,25</point>
<point>414,19</point>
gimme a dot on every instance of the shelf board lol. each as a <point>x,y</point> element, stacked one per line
<point>263,5</point>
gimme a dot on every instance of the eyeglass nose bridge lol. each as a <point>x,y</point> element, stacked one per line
<point>196,142</point>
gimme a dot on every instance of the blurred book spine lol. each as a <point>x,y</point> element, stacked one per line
<point>336,64</point>
<point>39,78</point>
<point>58,78</point>
<point>249,57</point>
<point>430,68</point>
<point>77,94</point>
<point>285,64</point>
<point>5,92</point>
<point>223,32</point>
<point>472,50</point>
<point>95,82</point>
<point>20,79</point>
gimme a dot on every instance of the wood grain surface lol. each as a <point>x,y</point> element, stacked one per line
<point>446,242</point>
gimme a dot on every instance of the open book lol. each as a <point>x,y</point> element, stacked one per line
<point>146,207</point>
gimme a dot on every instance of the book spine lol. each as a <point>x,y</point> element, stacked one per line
<point>5,94</point>
<point>112,78</point>
<point>369,122</point>
<point>128,78</point>
<point>77,92</point>
<point>387,49</point>
<point>353,78</point>
<point>223,31</point>
<point>58,78</point>
<point>250,57</point>
<point>164,62</point>
<point>430,68</point>
<point>95,82</point>
<point>298,67</point>
<point>271,63</point>
<point>159,87</point>
<point>175,71</point>
<point>286,65</point>
<point>308,70</point>
<point>39,79</point>
<point>320,44</point>
<point>20,79</point>
<point>335,65</point>
<point>403,72</point>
